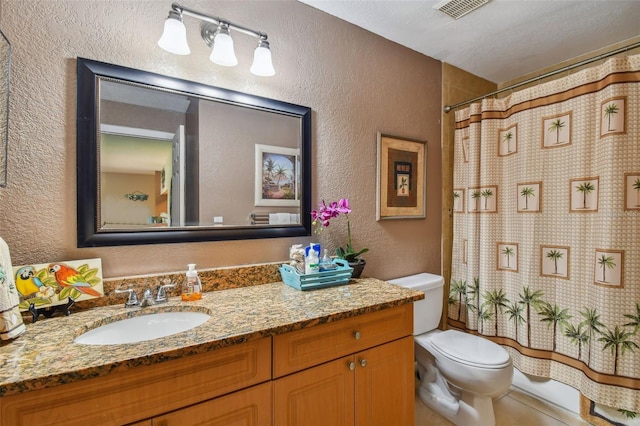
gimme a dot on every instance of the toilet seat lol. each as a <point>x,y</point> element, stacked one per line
<point>467,349</point>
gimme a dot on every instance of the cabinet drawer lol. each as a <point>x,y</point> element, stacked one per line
<point>304,348</point>
<point>142,392</point>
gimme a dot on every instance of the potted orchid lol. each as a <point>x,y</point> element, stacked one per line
<point>321,220</point>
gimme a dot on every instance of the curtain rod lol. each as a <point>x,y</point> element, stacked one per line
<point>448,108</point>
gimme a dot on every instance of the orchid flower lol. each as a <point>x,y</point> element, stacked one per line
<point>321,219</point>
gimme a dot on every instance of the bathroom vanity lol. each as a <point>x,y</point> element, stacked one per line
<point>269,355</point>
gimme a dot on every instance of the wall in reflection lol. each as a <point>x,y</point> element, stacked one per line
<point>208,177</point>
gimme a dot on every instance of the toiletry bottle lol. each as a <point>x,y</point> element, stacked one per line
<point>192,287</point>
<point>311,263</point>
<point>325,263</point>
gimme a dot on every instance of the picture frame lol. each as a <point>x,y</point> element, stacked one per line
<point>401,178</point>
<point>277,176</point>
<point>163,181</point>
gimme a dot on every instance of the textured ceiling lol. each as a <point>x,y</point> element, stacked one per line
<point>500,41</point>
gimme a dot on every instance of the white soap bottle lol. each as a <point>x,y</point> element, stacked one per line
<point>311,263</point>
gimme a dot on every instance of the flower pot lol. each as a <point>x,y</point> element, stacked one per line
<point>357,266</point>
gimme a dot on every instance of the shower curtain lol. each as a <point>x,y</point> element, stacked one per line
<point>546,239</point>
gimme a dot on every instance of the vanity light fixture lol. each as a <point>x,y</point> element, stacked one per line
<point>216,34</point>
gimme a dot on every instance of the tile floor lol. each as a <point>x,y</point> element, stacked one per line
<point>513,408</point>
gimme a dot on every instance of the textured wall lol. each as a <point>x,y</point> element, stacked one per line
<point>356,83</point>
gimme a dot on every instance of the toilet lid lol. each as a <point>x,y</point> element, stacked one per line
<point>469,349</point>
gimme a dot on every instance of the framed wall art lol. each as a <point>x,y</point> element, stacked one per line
<point>277,176</point>
<point>402,171</point>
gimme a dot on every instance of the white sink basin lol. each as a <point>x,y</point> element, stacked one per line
<point>144,327</point>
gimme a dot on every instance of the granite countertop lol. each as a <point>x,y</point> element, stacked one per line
<point>47,356</point>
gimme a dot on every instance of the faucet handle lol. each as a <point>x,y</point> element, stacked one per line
<point>132,300</point>
<point>161,296</point>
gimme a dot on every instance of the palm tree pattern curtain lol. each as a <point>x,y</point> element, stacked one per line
<point>546,247</point>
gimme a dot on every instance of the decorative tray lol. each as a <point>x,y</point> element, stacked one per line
<point>338,276</point>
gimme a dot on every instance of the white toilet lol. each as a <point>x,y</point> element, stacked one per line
<point>459,373</point>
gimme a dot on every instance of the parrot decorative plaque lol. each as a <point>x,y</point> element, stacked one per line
<point>49,285</point>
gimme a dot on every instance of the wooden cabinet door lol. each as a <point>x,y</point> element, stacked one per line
<point>319,396</point>
<point>385,384</point>
<point>248,407</point>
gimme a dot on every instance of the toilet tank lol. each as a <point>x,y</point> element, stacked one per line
<point>426,312</point>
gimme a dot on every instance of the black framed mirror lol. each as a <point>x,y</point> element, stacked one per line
<point>165,160</point>
<point>5,83</point>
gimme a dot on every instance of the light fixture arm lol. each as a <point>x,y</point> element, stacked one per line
<point>217,21</point>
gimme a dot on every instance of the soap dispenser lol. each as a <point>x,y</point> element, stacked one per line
<point>192,287</point>
<point>326,264</point>
<point>311,262</point>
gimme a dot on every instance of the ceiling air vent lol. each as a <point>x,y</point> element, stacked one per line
<point>458,8</point>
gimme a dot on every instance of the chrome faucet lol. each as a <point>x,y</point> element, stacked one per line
<point>132,300</point>
<point>161,296</point>
<point>147,298</point>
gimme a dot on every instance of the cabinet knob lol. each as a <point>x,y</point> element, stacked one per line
<point>363,362</point>
<point>352,365</point>
<point>357,335</point>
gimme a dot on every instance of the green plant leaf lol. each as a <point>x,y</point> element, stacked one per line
<point>90,273</point>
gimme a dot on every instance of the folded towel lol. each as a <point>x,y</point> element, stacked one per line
<point>279,218</point>
<point>11,325</point>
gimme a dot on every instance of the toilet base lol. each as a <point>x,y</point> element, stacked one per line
<point>460,407</point>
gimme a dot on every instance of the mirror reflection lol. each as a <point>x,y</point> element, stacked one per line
<point>183,158</point>
<point>203,162</point>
